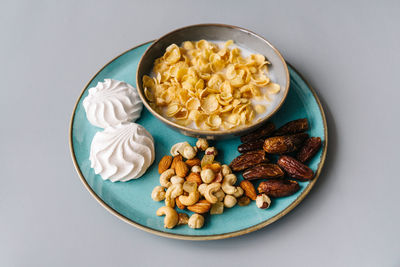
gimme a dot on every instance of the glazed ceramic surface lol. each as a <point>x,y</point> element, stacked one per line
<point>131,201</point>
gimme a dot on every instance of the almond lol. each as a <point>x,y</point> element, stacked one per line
<point>194,177</point>
<point>164,164</point>
<point>193,162</point>
<point>200,207</point>
<point>181,169</point>
<point>248,189</point>
<point>175,160</point>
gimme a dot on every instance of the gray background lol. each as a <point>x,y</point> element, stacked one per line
<point>348,51</point>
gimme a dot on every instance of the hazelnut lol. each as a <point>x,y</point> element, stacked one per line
<point>207,176</point>
<point>229,201</point>
<point>263,201</point>
<point>196,221</point>
<point>211,151</point>
<point>196,169</point>
<point>202,144</point>
<point>189,152</point>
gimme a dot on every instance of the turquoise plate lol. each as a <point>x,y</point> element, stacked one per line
<point>131,201</point>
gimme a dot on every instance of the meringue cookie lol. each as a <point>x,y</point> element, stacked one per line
<point>122,152</point>
<point>112,102</point>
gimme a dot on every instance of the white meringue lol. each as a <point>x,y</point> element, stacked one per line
<point>112,102</point>
<point>122,152</point>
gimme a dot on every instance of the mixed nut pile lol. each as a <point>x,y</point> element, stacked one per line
<point>205,186</point>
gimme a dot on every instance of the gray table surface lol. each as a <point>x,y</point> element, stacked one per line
<point>348,51</point>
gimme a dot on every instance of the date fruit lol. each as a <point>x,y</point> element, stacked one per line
<point>284,144</point>
<point>254,145</point>
<point>263,171</point>
<point>248,160</point>
<point>260,133</point>
<point>292,127</point>
<point>308,150</point>
<point>295,168</point>
<point>278,187</point>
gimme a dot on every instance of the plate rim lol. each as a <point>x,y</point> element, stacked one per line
<point>198,237</point>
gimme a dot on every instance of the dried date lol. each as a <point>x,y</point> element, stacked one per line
<point>308,150</point>
<point>248,160</point>
<point>292,127</point>
<point>263,171</point>
<point>295,168</point>
<point>260,133</point>
<point>284,144</point>
<point>254,145</point>
<point>278,187</point>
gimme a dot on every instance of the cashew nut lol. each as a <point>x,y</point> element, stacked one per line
<point>158,193</point>
<point>209,192</point>
<point>178,148</point>
<point>207,175</point>
<point>194,195</point>
<point>173,192</point>
<point>177,180</point>
<point>239,192</point>
<point>225,169</point>
<point>196,221</point>
<point>227,184</point>
<point>165,177</point>
<point>229,201</point>
<point>220,195</point>
<point>202,189</point>
<point>171,216</point>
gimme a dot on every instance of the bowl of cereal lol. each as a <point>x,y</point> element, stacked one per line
<point>212,80</point>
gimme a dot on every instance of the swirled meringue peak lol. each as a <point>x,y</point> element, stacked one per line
<point>122,152</point>
<point>112,102</point>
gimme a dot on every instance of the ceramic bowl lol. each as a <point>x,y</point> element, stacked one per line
<point>278,71</point>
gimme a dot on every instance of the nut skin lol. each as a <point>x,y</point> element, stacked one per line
<point>295,169</point>
<point>248,189</point>
<point>194,177</point>
<point>260,133</point>
<point>211,151</point>
<point>248,160</point>
<point>309,149</point>
<point>284,144</point>
<point>175,160</point>
<point>164,164</point>
<point>243,201</point>
<point>263,201</point>
<point>181,169</point>
<point>278,187</point>
<point>254,145</point>
<point>202,206</point>
<point>292,127</point>
<point>193,162</point>
<point>263,171</point>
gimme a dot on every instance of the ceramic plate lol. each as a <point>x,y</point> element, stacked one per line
<point>131,201</point>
